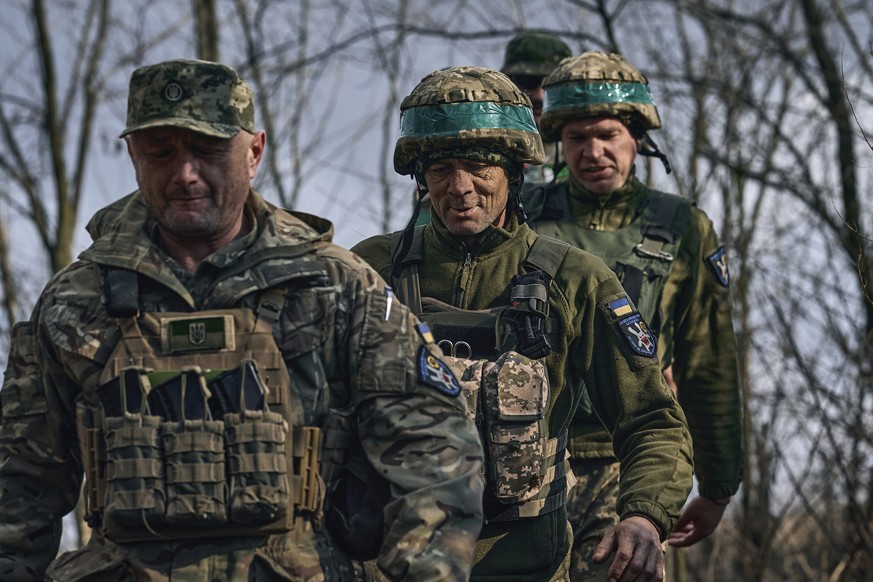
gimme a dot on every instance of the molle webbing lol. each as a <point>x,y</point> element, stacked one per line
<point>245,473</point>
<point>556,484</point>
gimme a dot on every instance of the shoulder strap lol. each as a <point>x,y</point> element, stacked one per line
<point>121,292</point>
<point>545,202</point>
<point>547,254</point>
<point>657,232</point>
<point>407,287</point>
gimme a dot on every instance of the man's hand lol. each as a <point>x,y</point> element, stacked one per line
<point>698,520</point>
<point>638,554</point>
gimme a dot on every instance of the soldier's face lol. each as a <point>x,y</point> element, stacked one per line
<point>600,152</point>
<point>196,185</point>
<point>467,196</point>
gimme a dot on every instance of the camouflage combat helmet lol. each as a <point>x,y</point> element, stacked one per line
<point>202,96</point>
<point>593,84</point>
<point>534,53</point>
<point>466,112</point>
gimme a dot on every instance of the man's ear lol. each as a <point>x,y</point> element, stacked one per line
<point>257,145</point>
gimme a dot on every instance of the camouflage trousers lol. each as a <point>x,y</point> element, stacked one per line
<point>591,511</point>
<point>295,556</point>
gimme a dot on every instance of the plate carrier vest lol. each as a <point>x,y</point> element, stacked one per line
<point>198,435</point>
<point>504,381</point>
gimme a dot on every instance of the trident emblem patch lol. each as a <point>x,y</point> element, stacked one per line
<point>197,333</point>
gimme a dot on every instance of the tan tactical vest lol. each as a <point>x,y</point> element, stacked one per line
<point>198,435</point>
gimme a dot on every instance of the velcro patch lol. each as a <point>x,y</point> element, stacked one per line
<point>197,334</point>
<point>434,372</point>
<point>718,262</point>
<point>638,335</point>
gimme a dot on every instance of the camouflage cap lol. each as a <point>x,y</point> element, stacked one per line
<point>534,53</point>
<point>202,96</point>
<point>596,84</point>
<point>466,112</point>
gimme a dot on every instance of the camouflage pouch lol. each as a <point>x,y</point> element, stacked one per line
<point>516,392</point>
<point>135,488</point>
<point>469,375</point>
<point>257,466</point>
<point>195,476</point>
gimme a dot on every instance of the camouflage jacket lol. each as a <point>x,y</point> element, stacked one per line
<point>696,332</point>
<point>593,365</point>
<point>343,345</point>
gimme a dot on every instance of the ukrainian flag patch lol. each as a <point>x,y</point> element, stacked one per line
<point>621,306</point>
<point>424,331</point>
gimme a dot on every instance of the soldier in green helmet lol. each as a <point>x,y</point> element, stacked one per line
<point>227,381</point>
<point>672,265</point>
<point>534,330</point>
<point>530,56</point>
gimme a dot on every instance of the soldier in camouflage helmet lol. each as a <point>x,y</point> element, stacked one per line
<point>668,258</point>
<point>228,382</point>
<point>533,329</point>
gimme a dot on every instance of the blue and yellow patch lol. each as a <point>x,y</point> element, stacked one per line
<point>718,262</point>
<point>638,335</point>
<point>621,306</point>
<point>424,331</point>
<point>434,372</point>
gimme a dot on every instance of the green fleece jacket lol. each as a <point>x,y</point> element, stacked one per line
<point>593,364</point>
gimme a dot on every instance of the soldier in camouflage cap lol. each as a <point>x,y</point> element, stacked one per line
<point>228,382</point>
<point>529,58</point>
<point>534,330</point>
<point>669,259</point>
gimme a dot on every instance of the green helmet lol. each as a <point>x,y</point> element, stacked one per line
<point>596,84</point>
<point>466,112</point>
<point>534,53</point>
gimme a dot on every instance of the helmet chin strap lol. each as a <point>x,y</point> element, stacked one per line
<point>647,147</point>
<point>514,201</point>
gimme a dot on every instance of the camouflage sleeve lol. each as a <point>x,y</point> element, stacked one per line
<point>705,362</point>
<point>39,472</point>
<point>416,433</point>
<point>629,394</point>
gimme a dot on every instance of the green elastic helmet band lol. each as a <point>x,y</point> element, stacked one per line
<point>450,119</point>
<point>570,95</point>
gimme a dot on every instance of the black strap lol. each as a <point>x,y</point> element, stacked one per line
<point>657,233</point>
<point>121,291</point>
<point>406,285</point>
<point>631,279</point>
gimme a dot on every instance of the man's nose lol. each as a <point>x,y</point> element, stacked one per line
<point>460,182</point>
<point>187,169</point>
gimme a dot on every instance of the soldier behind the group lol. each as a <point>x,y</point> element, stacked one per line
<point>224,375</point>
<point>672,265</point>
<point>535,328</point>
<point>529,58</point>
